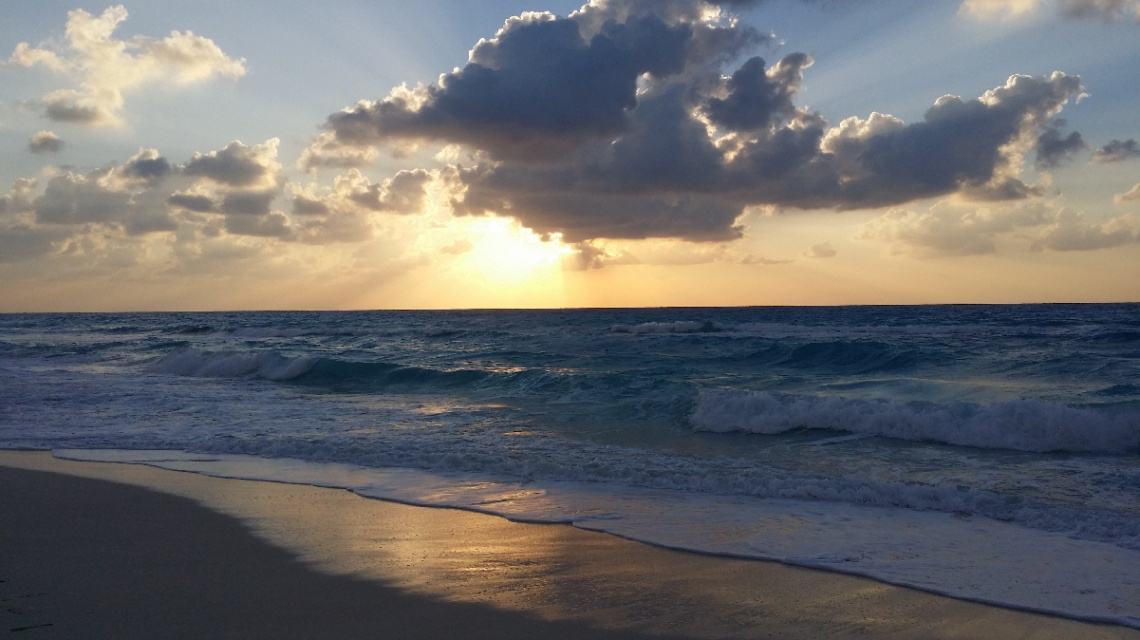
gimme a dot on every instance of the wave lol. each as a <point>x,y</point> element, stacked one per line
<point>680,326</point>
<point>192,329</point>
<point>315,371</point>
<point>345,375</point>
<point>270,332</point>
<point>844,357</point>
<point>1022,425</point>
<point>230,364</point>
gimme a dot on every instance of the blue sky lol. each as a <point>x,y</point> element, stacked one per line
<point>130,194</point>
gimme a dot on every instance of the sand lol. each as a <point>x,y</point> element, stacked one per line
<point>90,550</point>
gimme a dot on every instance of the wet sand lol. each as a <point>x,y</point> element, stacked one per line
<point>91,550</point>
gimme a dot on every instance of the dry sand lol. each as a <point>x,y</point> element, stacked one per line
<point>84,554</point>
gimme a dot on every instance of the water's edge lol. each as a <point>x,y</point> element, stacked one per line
<point>574,505</point>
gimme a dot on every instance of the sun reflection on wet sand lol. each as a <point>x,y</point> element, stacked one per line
<point>560,572</point>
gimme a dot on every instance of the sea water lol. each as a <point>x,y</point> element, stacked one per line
<point>985,452</point>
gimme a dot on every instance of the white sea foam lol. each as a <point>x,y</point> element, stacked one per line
<point>1023,425</point>
<point>938,552</point>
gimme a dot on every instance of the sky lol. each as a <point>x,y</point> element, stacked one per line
<point>209,155</point>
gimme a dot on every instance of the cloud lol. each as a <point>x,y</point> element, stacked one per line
<point>751,259</point>
<point>1053,148</point>
<point>758,97</point>
<point>238,165</point>
<point>94,198</point>
<point>671,178</point>
<point>22,242</point>
<point>457,248</point>
<point>20,238</point>
<point>305,205</point>
<point>949,229</point>
<point>821,250</point>
<point>1117,151</point>
<point>585,256</point>
<point>45,142</point>
<point>325,151</point>
<point>998,9</point>
<point>536,89</point>
<point>147,165</point>
<point>19,197</point>
<point>403,193</point>
<point>628,120</point>
<point>198,202</point>
<point>217,208</point>
<point>1107,10</point>
<point>141,195</point>
<point>105,67</point>
<point>1005,10</point>
<point>248,203</point>
<point>267,225</point>
<point>1131,195</point>
<point>1070,232</point>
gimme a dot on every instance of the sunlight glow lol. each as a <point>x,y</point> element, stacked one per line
<point>505,253</point>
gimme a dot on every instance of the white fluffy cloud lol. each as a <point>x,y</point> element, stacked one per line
<point>103,67</point>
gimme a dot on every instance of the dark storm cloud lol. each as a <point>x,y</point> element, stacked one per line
<point>1054,148</point>
<point>1117,151</point>
<point>625,121</point>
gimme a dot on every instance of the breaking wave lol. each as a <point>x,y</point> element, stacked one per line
<point>1022,425</point>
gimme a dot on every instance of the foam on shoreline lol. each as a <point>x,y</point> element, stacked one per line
<point>965,557</point>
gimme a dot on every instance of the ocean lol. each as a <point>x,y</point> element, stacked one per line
<point>990,453</point>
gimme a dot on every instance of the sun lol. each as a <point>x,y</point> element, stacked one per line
<point>506,253</point>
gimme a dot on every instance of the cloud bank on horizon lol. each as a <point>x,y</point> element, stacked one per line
<point>625,120</point>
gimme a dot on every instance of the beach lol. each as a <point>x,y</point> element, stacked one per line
<point>128,551</point>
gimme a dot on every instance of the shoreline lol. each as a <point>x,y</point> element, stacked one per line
<point>418,567</point>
